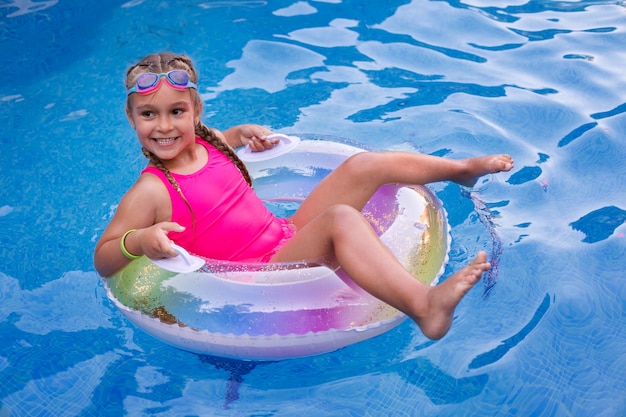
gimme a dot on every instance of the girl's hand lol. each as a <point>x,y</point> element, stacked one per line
<point>154,241</point>
<point>255,136</point>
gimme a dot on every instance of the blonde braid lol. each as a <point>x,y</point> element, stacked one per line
<point>209,136</point>
<point>161,167</point>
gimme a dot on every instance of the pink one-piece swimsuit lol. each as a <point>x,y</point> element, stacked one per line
<point>229,222</point>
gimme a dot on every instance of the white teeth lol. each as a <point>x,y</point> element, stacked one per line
<point>164,141</point>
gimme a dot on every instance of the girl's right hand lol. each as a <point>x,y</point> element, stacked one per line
<point>155,243</point>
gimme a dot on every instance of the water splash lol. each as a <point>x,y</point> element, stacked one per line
<point>490,278</point>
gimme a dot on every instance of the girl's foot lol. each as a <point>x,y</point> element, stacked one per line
<point>443,298</point>
<point>475,168</point>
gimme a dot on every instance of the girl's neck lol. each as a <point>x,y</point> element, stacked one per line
<point>189,161</point>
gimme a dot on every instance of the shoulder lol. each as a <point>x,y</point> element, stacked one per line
<point>147,196</point>
<point>150,183</point>
<point>148,188</point>
<point>143,205</point>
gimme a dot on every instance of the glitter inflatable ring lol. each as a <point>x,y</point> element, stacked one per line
<point>286,310</point>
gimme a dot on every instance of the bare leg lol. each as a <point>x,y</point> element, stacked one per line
<point>342,236</point>
<point>357,179</point>
<point>332,230</point>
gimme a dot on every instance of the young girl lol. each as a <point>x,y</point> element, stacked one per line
<point>196,192</point>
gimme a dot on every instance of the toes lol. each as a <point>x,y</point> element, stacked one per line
<point>507,163</point>
<point>481,258</point>
<point>503,163</point>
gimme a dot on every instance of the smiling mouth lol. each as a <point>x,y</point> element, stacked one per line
<point>164,141</point>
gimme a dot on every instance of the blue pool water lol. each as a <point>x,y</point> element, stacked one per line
<point>541,80</point>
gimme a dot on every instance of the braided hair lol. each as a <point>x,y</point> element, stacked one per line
<point>164,62</point>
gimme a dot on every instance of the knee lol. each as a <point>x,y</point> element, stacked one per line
<point>363,164</point>
<point>343,215</point>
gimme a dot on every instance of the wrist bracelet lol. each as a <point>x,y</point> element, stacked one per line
<point>123,248</point>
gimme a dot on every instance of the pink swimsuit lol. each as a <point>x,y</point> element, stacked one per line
<point>231,222</point>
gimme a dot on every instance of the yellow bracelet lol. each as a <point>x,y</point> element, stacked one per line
<point>123,248</point>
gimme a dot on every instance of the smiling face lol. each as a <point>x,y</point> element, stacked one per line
<point>164,120</point>
<point>164,116</point>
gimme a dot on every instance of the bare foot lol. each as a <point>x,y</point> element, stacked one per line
<point>482,165</point>
<point>444,297</point>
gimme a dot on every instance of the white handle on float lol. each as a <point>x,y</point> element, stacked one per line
<point>285,144</point>
<point>182,263</point>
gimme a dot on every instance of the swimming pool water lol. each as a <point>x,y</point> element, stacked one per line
<point>541,80</point>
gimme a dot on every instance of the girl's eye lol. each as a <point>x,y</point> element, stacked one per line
<point>177,112</point>
<point>147,114</point>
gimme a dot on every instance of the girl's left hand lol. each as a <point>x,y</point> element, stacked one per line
<point>255,136</point>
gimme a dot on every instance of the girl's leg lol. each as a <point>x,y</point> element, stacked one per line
<point>342,236</point>
<point>357,179</point>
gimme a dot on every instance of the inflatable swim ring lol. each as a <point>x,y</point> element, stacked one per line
<point>285,310</point>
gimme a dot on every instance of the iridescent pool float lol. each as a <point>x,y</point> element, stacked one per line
<point>285,310</point>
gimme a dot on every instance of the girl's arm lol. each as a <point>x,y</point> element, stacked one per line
<point>249,134</point>
<point>146,209</point>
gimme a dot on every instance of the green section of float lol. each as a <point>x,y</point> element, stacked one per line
<point>138,285</point>
<point>432,254</point>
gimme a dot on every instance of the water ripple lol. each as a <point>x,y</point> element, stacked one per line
<point>524,175</point>
<point>506,345</point>
<point>613,112</point>
<point>600,224</point>
<point>576,133</point>
<point>28,6</point>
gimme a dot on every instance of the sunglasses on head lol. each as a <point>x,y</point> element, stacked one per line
<point>149,82</point>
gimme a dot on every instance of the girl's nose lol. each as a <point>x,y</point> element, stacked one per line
<point>165,123</point>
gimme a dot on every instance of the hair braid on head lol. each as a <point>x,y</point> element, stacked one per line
<point>163,62</point>
<point>207,134</point>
